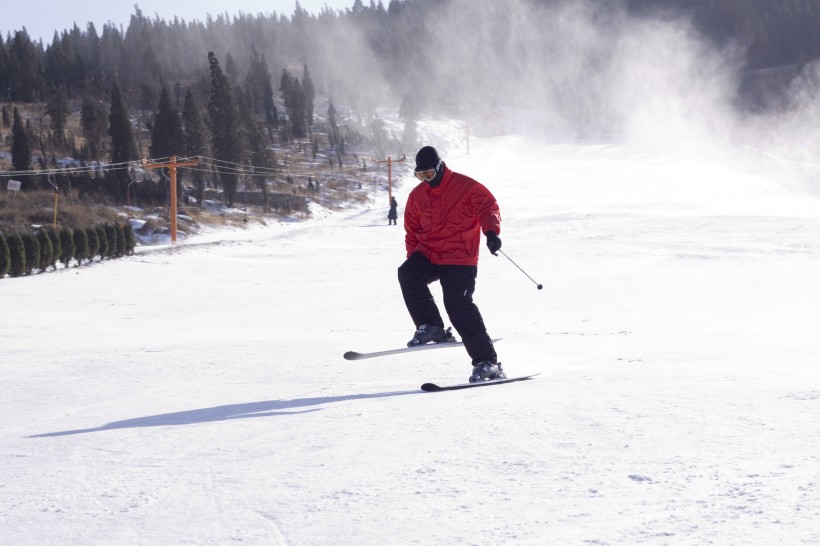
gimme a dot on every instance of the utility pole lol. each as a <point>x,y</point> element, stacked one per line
<point>172,166</point>
<point>56,196</point>
<point>389,162</point>
<point>247,177</point>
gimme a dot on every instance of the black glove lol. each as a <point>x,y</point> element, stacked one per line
<point>493,242</point>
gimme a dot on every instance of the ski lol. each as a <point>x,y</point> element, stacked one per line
<point>432,387</point>
<point>353,355</point>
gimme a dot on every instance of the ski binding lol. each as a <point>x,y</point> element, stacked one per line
<point>432,387</point>
<point>353,355</point>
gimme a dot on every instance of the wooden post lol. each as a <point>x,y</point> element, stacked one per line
<point>56,199</point>
<point>172,166</point>
<point>389,162</point>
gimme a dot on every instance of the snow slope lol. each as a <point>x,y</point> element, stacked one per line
<point>197,394</point>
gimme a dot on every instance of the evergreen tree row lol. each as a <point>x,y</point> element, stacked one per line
<point>186,103</point>
<point>153,52</point>
<point>32,252</point>
<point>238,127</point>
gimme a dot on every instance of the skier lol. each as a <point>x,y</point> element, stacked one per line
<point>443,221</point>
<point>392,215</point>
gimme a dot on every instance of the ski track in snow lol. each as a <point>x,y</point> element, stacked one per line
<point>197,394</point>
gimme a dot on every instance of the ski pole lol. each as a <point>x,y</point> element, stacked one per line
<point>537,285</point>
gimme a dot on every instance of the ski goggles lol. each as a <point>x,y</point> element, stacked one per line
<point>429,174</point>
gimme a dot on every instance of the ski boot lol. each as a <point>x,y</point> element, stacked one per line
<point>431,334</point>
<point>487,371</point>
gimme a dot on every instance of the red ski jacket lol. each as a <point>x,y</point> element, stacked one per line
<point>445,223</point>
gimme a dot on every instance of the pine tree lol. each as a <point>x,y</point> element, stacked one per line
<point>286,88</point>
<point>81,249</point>
<point>46,249</point>
<point>32,247</point>
<point>260,155</point>
<point>122,244</point>
<point>298,113</point>
<point>227,139</point>
<point>335,135</point>
<point>271,115</point>
<point>95,126</point>
<point>259,91</point>
<point>5,79</point>
<point>309,90</point>
<point>20,144</point>
<point>196,140</point>
<point>231,68</point>
<point>24,60</point>
<point>167,138</point>
<point>113,243</point>
<point>130,239</point>
<point>294,97</point>
<point>57,246</point>
<point>93,242</point>
<point>66,246</point>
<point>17,253</point>
<point>123,145</point>
<point>254,83</point>
<point>102,236</point>
<point>57,109</point>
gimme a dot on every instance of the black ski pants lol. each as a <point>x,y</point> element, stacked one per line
<point>457,286</point>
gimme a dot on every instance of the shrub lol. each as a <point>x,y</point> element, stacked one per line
<point>93,243</point>
<point>130,239</point>
<point>67,242</point>
<point>122,244</point>
<point>103,237</point>
<point>113,244</point>
<point>17,252</point>
<point>80,245</point>
<point>46,249</point>
<point>32,248</point>
<point>57,246</point>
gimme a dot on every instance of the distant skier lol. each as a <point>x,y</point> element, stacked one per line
<point>443,221</point>
<point>393,214</point>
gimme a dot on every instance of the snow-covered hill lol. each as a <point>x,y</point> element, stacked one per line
<point>197,394</point>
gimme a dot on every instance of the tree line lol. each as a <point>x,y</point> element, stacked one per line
<point>152,52</point>
<point>27,253</point>
<point>238,126</point>
<point>164,79</point>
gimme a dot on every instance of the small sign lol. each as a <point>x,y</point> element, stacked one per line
<point>14,185</point>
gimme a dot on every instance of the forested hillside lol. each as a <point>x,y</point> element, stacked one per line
<point>150,52</point>
<point>237,88</point>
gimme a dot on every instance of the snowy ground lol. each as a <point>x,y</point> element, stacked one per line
<point>197,394</point>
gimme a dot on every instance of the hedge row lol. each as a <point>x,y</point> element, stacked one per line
<point>32,252</point>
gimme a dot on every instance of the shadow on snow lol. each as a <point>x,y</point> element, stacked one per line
<point>266,408</point>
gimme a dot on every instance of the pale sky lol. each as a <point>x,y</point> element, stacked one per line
<point>42,17</point>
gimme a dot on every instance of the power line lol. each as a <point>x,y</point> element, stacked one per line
<point>209,164</point>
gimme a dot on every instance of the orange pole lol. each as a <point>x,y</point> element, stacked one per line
<point>389,162</point>
<point>173,172</point>
<point>389,180</point>
<point>56,195</point>
<point>172,169</point>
